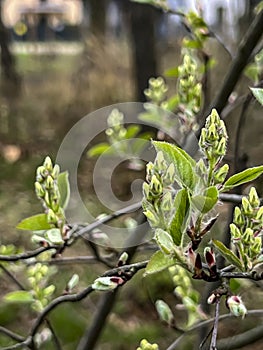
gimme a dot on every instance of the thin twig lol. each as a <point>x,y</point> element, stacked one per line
<point>55,338</point>
<point>11,334</point>
<point>207,322</point>
<point>12,277</point>
<point>215,328</point>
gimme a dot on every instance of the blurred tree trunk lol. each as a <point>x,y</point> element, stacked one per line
<point>11,81</point>
<point>143,20</point>
<point>97,15</point>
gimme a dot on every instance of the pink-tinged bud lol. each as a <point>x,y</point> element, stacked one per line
<point>212,299</point>
<point>210,257</point>
<point>191,256</point>
<point>118,280</point>
<point>236,306</point>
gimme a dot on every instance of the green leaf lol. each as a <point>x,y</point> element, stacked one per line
<point>227,254</point>
<point>164,241</point>
<point>204,203</point>
<point>184,164</point>
<point>242,177</point>
<point>181,204</point>
<point>192,44</point>
<point>258,93</point>
<point>171,72</point>
<point>19,296</point>
<point>132,131</point>
<point>54,236</point>
<point>64,189</point>
<point>34,223</point>
<point>98,149</point>
<point>158,262</point>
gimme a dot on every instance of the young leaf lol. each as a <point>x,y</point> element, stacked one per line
<point>242,177</point>
<point>98,149</point>
<point>158,262</point>
<point>181,204</point>
<point>204,203</point>
<point>64,189</point>
<point>54,236</point>
<point>19,296</point>
<point>258,93</point>
<point>184,164</point>
<point>132,131</point>
<point>34,223</point>
<point>164,241</point>
<point>228,254</point>
<point>104,283</point>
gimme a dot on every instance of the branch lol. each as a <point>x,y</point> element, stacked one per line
<point>241,340</point>
<point>91,336</point>
<point>238,64</point>
<point>215,328</point>
<point>11,334</point>
<point>132,269</point>
<point>12,277</point>
<point>207,322</point>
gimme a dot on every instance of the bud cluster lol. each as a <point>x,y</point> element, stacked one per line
<point>46,187</point>
<point>184,290</point>
<point>145,345</point>
<point>37,278</point>
<point>156,92</point>
<point>157,191</point>
<point>246,229</point>
<point>189,88</point>
<point>213,144</point>
<point>116,131</point>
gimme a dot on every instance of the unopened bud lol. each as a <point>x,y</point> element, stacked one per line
<point>221,147</point>
<point>55,171</point>
<point>238,217</point>
<point>253,198</point>
<point>40,192</point>
<point>259,215</point>
<point>164,312</point>
<point>235,232</point>
<point>221,174</point>
<point>247,237</point>
<point>169,175</point>
<point>48,164</point>
<point>246,206</point>
<point>236,306</point>
<point>167,202</point>
<point>51,217</point>
<point>212,134</point>
<point>156,187</point>
<point>49,182</point>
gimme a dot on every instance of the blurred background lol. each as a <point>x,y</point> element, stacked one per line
<point>62,59</point>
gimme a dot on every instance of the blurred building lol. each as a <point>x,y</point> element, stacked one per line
<point>43,19</point>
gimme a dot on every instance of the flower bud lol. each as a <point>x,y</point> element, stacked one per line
<point>221,174</point>
<point>49,183</point>
<point>238,217</point>
<point>51,217</point>
<point>156,187</point>
<point>212,134</point>
<point>236,306</point>
<point>259,215</point>
<point>257,246</point>
<point>221,147</point>
<point>164,312</point>
<point>253,198</point>
<point>235,232</point>
<point>247,237</point>
<point>246,206</point>
<point>40,192</point>
<point>48,164</point>
<point>56,171</point>
<point>167,202</point>
<point>146,190</point>
<point>170,174</point>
